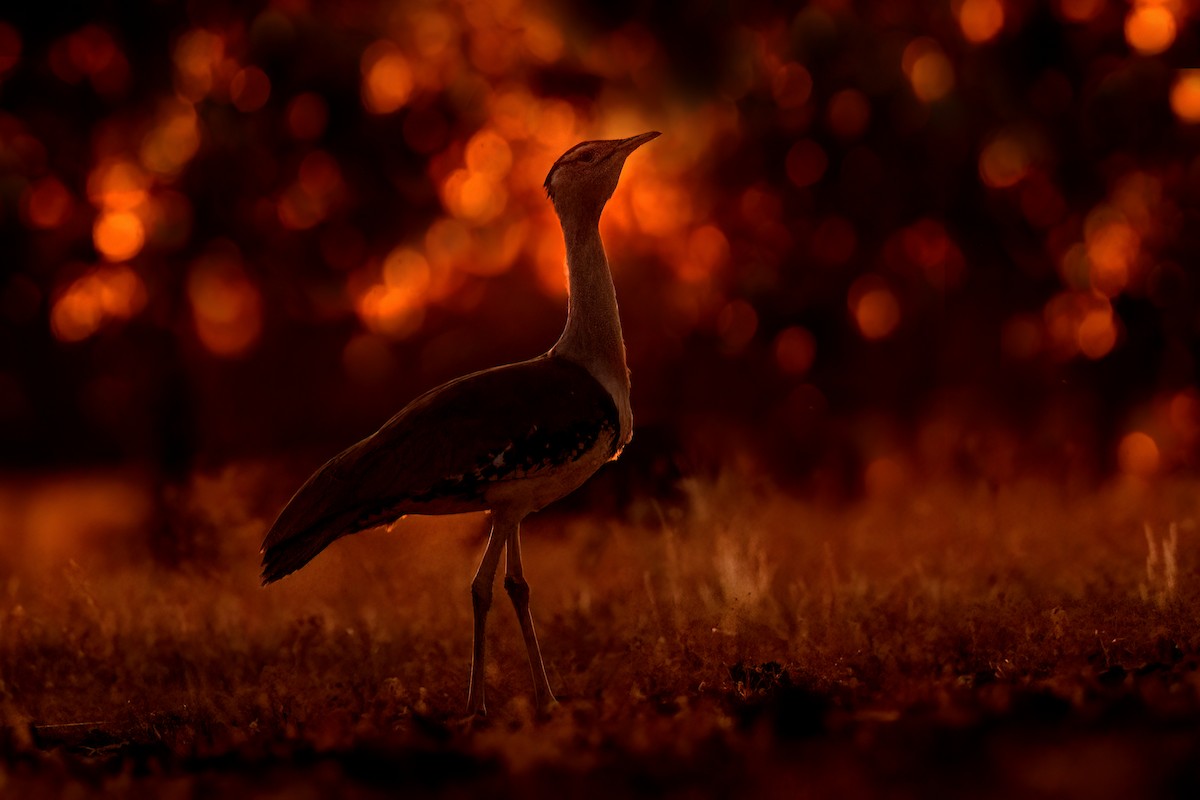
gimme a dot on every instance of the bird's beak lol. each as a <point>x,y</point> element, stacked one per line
<point>634,142</point>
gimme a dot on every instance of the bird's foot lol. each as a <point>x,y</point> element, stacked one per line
<point>476,704</point>
<point>473,721</point>
<point>547,708</point>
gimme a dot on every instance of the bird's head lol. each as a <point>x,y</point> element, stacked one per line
<point>585,176</point>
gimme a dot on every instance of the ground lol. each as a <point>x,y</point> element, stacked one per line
<point>744,640</point>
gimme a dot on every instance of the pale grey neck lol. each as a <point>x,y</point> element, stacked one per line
<point>592,336</point>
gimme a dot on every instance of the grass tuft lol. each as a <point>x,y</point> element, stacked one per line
<point>699,650</point>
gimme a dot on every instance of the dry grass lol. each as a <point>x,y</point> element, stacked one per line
<point>948,638</point>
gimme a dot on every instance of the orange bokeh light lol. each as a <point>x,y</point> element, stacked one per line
<point>118,235</point>
<point>1080,10</point>
<point>542,39</point>
<point>1004,162</point>
<point>298,210</point>
<point>980,20</point>
<point>74,317</point>
<point>485,180</point>
<point>492,51</point>
<point>1184,414</point>
<point>874,306</point>
<point>1150,28</point>
<point>434,32</point>
<point>1097,334</point>
<point>118,185</point>
<point>706,253</point>
<point>1112,247</point>
<point>47,203</point>
<point>448,244</point>
<point>1061,316</point>
<point>387,78</point>
<point>173,141</point>
<point>489,153</point>
<point>927,245</point>
<point>390,312</point>
<point>928,69</point>
<point>407,271</point>
<point>1138,197</point>
<point>497,248</point>
<point>250,89</point>
<point>199,57</point>
<point>307,116</point>
<point>1137,454</point>
<point>308,200</point>
<point>513,110</point>
<point>550,260</point>
<point>91,49</point>
<point>806,163</point>
<point>396,306</point>
<point>1185,95</point>
<point>474,196</point>
<point>90,52</point>
<point>226,306</point>
<point>660,208</point>
<point>795,350</point>
<point>849,113</point>
<point>791,86</point>
<point>113,292</point>
<point>556,124</point>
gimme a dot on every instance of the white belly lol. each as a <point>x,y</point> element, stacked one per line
<point>538,487</point>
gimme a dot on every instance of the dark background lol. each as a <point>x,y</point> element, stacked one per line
<point>726,252</point>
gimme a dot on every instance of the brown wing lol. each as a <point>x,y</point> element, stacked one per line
<point>442,451</point>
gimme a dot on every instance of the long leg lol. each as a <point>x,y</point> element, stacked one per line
<point>518,592</point>
<point>481,601</point>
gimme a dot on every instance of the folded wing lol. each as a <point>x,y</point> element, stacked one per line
<point>442,452</point>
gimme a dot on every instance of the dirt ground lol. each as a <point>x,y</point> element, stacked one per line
<point>1027,640</point>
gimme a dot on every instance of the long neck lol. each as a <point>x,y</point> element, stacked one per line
<point>592,336</point>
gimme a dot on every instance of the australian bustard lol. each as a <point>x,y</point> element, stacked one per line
<point>509,439</point>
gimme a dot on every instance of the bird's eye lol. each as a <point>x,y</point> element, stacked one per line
<point>586,156</point>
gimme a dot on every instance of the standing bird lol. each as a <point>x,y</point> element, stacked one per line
<point>509,440</point>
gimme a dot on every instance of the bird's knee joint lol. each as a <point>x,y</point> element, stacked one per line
<point>481,596</point>
<point>517,589</point>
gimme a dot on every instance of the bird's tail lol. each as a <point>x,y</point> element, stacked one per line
<point>316,516</point>
<point>288,554</point>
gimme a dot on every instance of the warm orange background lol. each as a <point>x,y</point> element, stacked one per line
<point>876,243</point>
